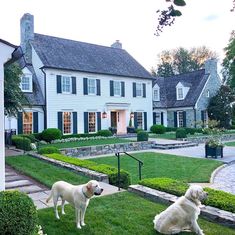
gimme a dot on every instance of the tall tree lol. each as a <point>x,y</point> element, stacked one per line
<point>181,60</point>
<point>14,98</point>
<point>229,62</point>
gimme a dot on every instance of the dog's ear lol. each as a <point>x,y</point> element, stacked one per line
<point>194,194</point>
<point>89,186</point>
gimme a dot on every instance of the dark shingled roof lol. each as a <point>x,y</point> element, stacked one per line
<point>194,80</point>
<point>79,56</point>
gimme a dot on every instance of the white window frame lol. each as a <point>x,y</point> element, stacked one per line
<point>30,83</point>
<point>89,122</point>
<point>180,122</point>
<point>208,93</point>
<point>89,86</point>
<point>156,98</point>
<point>62,84</point>
<point>139,85</point>
<point>178,93</point>
<point>142,120</point>
<point>71,123</point>
<point>117,84</point>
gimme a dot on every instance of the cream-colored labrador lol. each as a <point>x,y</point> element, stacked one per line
<point>77,195</point>
<point>183,214</point>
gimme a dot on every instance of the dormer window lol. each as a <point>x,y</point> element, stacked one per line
<point>26,83</point>
<point>156,94</point>
<point>180,93</point>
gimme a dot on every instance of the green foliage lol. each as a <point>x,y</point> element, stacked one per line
<point>142,136</point>
<point>21,142</point>
<point>170,129</point>
<point>18,214</point>
<point>51,134</point>
<point>181,133</point>
<point>79,135</point>
<point>137,130</point>
<point>14,98</point>
<point>29,136</point>
<point>112,172</point>
<point>216,198</point>
<point>105,133</point>
<point>37,136</point>
<point>192,131</point>
<point>48,150</point>
<point>179,3</point>
<point>158,129</point>
<point>219,108</point>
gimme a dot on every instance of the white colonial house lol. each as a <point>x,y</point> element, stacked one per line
<point>80,87</point>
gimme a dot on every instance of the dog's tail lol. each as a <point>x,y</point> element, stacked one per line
<point>49,198</point>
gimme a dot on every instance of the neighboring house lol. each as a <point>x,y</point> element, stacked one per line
<point>80,87</point>
<point>182,100</point>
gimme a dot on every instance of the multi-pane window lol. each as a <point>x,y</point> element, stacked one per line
<point>156,95</point>
<point>67,122</point>
<point>66,84</point>
<point>91,122</point>
<point>117,88</point>
<point>138,89</point>
<point>139,120</point>
<point>91,86</point>
<point>26,83</point>
<point>208,93</point>
<point>158,118</point>
<point>27,123</point>
<point>180,119</point>
<point>180,94</point>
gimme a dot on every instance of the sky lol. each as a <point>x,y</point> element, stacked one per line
<point>133,22</point>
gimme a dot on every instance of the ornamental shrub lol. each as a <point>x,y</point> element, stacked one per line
<point>51,134</point>
<point>79,135</point>
<point>158,129</point>
<point>18,214</point>
<point>48,150</point>
<point>170,129</point>
<point>181,133</point>
<point>21,142</point>
<point>105,133</point>
<point>142,136</point>
<point>29,136</point>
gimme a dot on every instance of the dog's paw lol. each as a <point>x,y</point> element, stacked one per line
<point>79,227</point>
<point>83,224</point>
<point>63,213</point>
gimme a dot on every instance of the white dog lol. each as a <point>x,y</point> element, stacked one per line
<point>183,214</point>
<point>77,195</point>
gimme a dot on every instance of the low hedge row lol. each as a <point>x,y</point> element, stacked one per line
<point>112,172</point>
<point>216,198</point>
<point>21,142</point>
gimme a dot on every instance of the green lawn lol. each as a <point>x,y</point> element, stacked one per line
<point>44,172</point>
<point>165,165</point>
<point>118,214</point>
<point>82,143</point>
<point>231,144</point>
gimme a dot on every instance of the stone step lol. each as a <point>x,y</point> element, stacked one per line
<point>28,189</point>
<point>17,184</point>
<point>13,178</point>
<point>9,173</point>
<point>174,146</point>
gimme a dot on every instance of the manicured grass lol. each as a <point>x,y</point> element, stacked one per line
<point>165,165</point>
<point>167,135</point>
<point>118,214</point>
<point>231,144</point>
<point>82,143</point>
<point>44,172</point>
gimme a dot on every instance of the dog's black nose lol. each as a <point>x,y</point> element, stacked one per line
<point>102,190</point>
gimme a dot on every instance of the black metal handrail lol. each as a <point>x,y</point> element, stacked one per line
<point>117,154</point>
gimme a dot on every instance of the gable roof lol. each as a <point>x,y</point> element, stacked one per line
<point>195,80</point>
<point>72,55</point>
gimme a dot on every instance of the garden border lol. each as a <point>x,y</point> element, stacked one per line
<point>210,213</point>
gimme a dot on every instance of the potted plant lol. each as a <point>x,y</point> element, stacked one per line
<point>113,130</point>
<point>130,128</point>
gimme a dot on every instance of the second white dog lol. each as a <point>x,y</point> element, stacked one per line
<point>77,195</point>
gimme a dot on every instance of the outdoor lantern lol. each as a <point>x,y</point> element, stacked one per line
<point>104,115</point>
<point>131,115</point>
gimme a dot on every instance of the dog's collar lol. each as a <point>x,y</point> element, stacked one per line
<point>85,194</point>
<point>194,202</point>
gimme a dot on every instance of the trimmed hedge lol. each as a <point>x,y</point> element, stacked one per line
<point>21,142</point>
<point>105,133</point>
<point>31,137</point>
<point>112,172</point>
<point>79,135</point>
<point>51,134</point>
<point>142,136</point>
<point>158,129</point>
<point>170,129</point>
<point>48,150</point>
<point>216,198</point>
<point>181,133</point>
<point>18,214</point>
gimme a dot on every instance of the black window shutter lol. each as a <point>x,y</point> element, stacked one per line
<point>184,119</point>
<point>134,89</point>
<point>111,88</point>
<point>74,87</point>
<point>145,121</point>
<point>135,120</point>
<point>85,88</point>
<point>202,117</point>
<point>20,123</point>
<point>35,122</point>
<point>144,90</point>
<point>97,86</point>
<point>175,119</point>
<point>123,88</point>
<point>154,118</point>
<point>98,121</point>
<point>86,122</point>
<point>58,80</point>
<point>60,121</point>
<point>75,123</point>
<point>162,120</point>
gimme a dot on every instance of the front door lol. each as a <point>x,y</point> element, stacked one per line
<point>114,119</point>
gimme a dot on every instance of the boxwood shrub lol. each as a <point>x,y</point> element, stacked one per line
<point>18,214</point>
<point>180,133</point>
<point>79,135</point>
<point>170,129</point>
<point>105,133</point>
<point>21,142</point>
<point>112,172</point>
<point>216,198</point>
<point>158,129</point>
<point>142,136</point>
<point>48,150</point>
<point>29,136</point>
<point>51,134</point>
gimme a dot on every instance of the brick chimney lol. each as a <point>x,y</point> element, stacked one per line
<point>27,35</point>
<point>117,44</point>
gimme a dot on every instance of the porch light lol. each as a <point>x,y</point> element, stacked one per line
<point>131,114</point>
<point>104,115</point>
